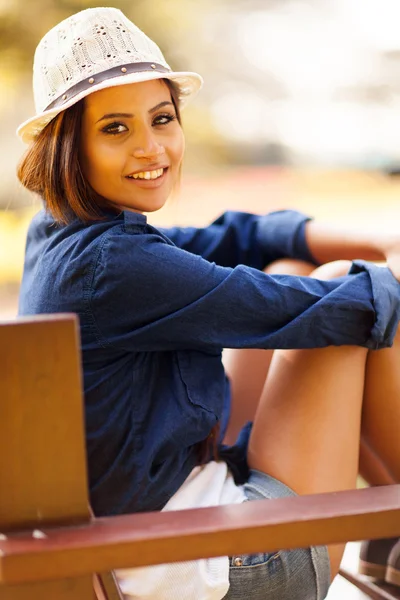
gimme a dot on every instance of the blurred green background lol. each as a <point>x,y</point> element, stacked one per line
<point>300,108</point>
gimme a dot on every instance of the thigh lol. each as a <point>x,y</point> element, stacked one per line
<point>306,431</point>
<point>371,467</point>
<point>381,409</point>
<point>303,574</point>
<point>247,371</point>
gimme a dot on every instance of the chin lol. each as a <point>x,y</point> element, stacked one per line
<point>151,205</point>
<point>151,209</point>
<point>141,207</point>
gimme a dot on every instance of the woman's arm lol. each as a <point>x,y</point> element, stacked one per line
<point>148,295</point>
<point>330,242</point>
<point>244,238</point>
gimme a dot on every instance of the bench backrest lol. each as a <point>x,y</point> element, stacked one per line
<point>43,479</point>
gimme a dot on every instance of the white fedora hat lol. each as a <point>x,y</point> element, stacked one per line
<point>94,49</point>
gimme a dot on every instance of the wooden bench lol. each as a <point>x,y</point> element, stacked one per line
<point>50,545</point>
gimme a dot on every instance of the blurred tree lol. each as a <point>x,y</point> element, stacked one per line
<point>171,24</point>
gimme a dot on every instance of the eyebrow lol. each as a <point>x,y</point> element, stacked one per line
<point>130,115</point>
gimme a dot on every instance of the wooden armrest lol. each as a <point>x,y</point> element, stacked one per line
<point>375,590</point>
<point>152,538</point>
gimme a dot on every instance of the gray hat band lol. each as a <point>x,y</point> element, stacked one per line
<point>84,85</point>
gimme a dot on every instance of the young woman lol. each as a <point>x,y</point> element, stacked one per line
<point>156,308</point>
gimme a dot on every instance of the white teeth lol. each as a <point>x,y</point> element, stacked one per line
<point>147,174</point>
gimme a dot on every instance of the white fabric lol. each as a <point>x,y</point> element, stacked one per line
<point>207,579</point>
<point>85,44</point>
<point>89,42</point>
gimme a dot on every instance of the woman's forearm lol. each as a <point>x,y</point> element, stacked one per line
<point>330,242</point>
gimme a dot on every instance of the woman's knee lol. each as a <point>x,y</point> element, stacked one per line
<point>333,269</point>
<point>289,266</point>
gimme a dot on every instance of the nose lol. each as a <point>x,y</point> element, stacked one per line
<point>146,144</point>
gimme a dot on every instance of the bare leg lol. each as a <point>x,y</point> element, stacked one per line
<point>248,370</point>
<point>381,408</point>
<point>371,468</point>
<point>310,396</point>
<point>379,449</point>
<point>304,416</point>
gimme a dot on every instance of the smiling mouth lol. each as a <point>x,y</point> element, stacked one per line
<point>147,175</point>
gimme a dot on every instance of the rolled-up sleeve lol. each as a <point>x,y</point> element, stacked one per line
<point>244,238</point>
<point>148,295</point>
<point>385,292</point>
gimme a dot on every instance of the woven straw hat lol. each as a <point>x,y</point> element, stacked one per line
<point>92,50</point>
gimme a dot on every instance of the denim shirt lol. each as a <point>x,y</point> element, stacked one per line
<point>157,306</point>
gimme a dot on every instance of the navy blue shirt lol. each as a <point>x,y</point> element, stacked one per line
<point>156,307</point>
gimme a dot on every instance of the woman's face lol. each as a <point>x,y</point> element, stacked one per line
<point>132,145</point>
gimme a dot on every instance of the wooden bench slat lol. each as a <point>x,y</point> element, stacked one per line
<point>152,538</point>
<point>43,476</point>
<point>381,591</point>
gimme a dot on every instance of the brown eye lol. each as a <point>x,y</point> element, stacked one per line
<point>114,128</point>
<point>164,119</point>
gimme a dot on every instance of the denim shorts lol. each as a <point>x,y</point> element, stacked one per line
<point>302,574</point>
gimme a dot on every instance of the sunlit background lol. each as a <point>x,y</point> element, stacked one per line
<point>300,108</point>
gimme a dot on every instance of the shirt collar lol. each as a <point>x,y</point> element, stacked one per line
<point>134,218</point>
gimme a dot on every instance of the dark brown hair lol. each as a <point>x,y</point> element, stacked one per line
<point>50,166</point>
